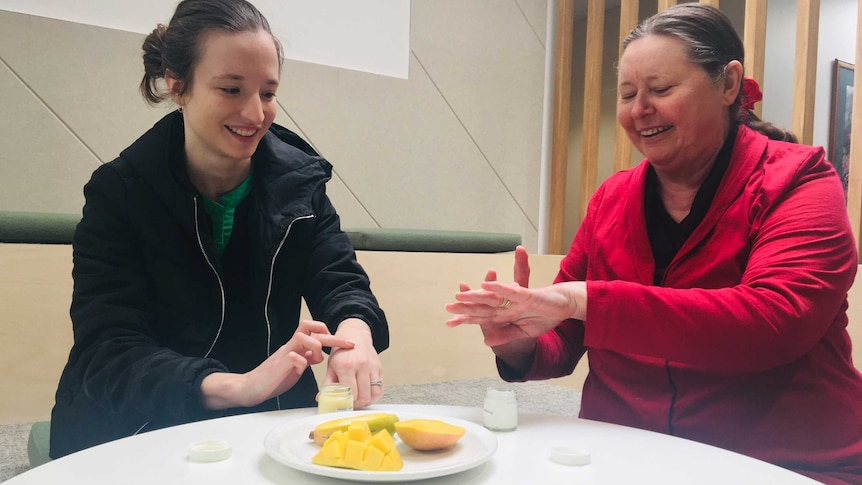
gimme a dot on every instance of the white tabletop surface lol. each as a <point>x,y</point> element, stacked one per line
<point>619,455</point>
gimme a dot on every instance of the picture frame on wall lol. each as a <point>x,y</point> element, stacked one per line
<point>841,115</point>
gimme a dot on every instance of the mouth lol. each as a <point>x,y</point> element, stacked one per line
<point>243,132</point>
<point>654,131</point>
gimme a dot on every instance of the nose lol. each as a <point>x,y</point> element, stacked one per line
<point>641,106</point>
<point>252,110</point>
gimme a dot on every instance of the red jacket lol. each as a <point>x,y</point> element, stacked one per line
<point>744,345</point>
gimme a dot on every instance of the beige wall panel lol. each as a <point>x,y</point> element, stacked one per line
<point>35,327</point>
<point>89,78</point>
<point>42,165</point>
<point>495,87</point>
<point>401,150</point>
<point>350,210</point>
<point>536,12</point>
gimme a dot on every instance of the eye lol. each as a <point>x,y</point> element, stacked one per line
<point>269,95</point>
<point>627,96</point>
<point>231,90</point>
<point>661,89</point>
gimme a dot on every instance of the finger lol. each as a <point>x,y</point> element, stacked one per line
<point>514,291</point>
<point>462,287</point>
<point>475,320</point>
<point>363,390</point>
<point>330,377</point>
<point>333,341</point>
<point>312,326</point>
<point>491,275</point>
<point>377,390</point>
<point>306,343</point>
<point>522,267</point>
<point>299,362</point>
<point>482,296</point>
<point>489,309</point>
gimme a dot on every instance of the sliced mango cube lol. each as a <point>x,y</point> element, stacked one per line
<point>358,449</point>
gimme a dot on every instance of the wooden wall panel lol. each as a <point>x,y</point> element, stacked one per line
<point>854,189</point>
<point>560,137</point>
<point>592,101</point>
<point>754,39</point>
<point>805,70</point>
<point>663,4</point>
<point>622,144</point>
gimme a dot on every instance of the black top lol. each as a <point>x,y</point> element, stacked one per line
<point>666,236</point>
<point>155,309</point>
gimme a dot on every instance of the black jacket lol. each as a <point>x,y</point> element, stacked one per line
<point>148,307</point>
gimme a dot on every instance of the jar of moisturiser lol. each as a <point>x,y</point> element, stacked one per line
<point>500,410</point>
<point>334,397</point>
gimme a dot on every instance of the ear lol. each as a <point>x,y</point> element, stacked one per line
<point>175,87</point>
<point>732,82</point>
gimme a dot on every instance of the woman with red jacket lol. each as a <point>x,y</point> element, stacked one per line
<point>708,285</point>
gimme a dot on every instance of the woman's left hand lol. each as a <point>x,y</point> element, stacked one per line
<point>359,367</point>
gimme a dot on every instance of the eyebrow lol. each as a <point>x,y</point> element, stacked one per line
<point>237,77</point>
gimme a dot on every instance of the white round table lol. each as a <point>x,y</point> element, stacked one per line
<point>619,455</point>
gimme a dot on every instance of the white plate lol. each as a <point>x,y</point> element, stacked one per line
<point>289,444</point>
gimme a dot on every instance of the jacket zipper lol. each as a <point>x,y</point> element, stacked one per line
<point>671,383</point>
<point>221,289</point>
<point>218,278</point>
<point>269,292</point>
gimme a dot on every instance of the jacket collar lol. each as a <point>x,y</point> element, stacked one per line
<point>287,171</point>
<point>748,150</point>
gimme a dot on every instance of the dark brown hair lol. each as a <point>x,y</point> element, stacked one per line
<point>176,47</point>
<point>711,42</point>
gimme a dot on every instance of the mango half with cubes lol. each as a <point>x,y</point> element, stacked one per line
<point>376,422</point>
<point>357,448</point>
<point>428,434</point>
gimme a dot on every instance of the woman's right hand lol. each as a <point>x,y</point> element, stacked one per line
<point>275,375</point>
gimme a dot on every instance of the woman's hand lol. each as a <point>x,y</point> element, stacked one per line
<point>507,313</point>
<point>359,366</point>
<point>278,373</point>
<point>513,316</point>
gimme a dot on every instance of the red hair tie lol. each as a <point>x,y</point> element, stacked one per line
<point>750,94</point>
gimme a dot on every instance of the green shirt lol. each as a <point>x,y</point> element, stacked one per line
<point>222,212</point>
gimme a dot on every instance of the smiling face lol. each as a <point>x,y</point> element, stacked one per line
<point>673,113</point>
<point>230,103</point>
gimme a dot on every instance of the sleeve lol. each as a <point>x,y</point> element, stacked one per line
<point>337,287</point>
<point>800,265</point>
<point>116,358</point>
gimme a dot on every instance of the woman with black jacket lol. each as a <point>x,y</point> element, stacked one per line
<point>197,245</point>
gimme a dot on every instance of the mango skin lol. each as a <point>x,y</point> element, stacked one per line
<point>428,434</point>
<point>376,422</point>
<point>356,448</point>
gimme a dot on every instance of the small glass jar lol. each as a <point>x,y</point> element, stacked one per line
<point>334,397</point>
<point>501,410</point>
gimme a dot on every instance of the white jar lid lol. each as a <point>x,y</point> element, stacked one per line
<point>209,450</point>
<point>567,455</point>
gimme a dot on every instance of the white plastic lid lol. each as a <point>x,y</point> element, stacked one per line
<point>209,450</point>
<point>567,455</point>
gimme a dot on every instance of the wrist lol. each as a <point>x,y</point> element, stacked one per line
<point>517,355</point>
<point>222,390</point>
<point>577,300</point>
<point>354,329</point>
